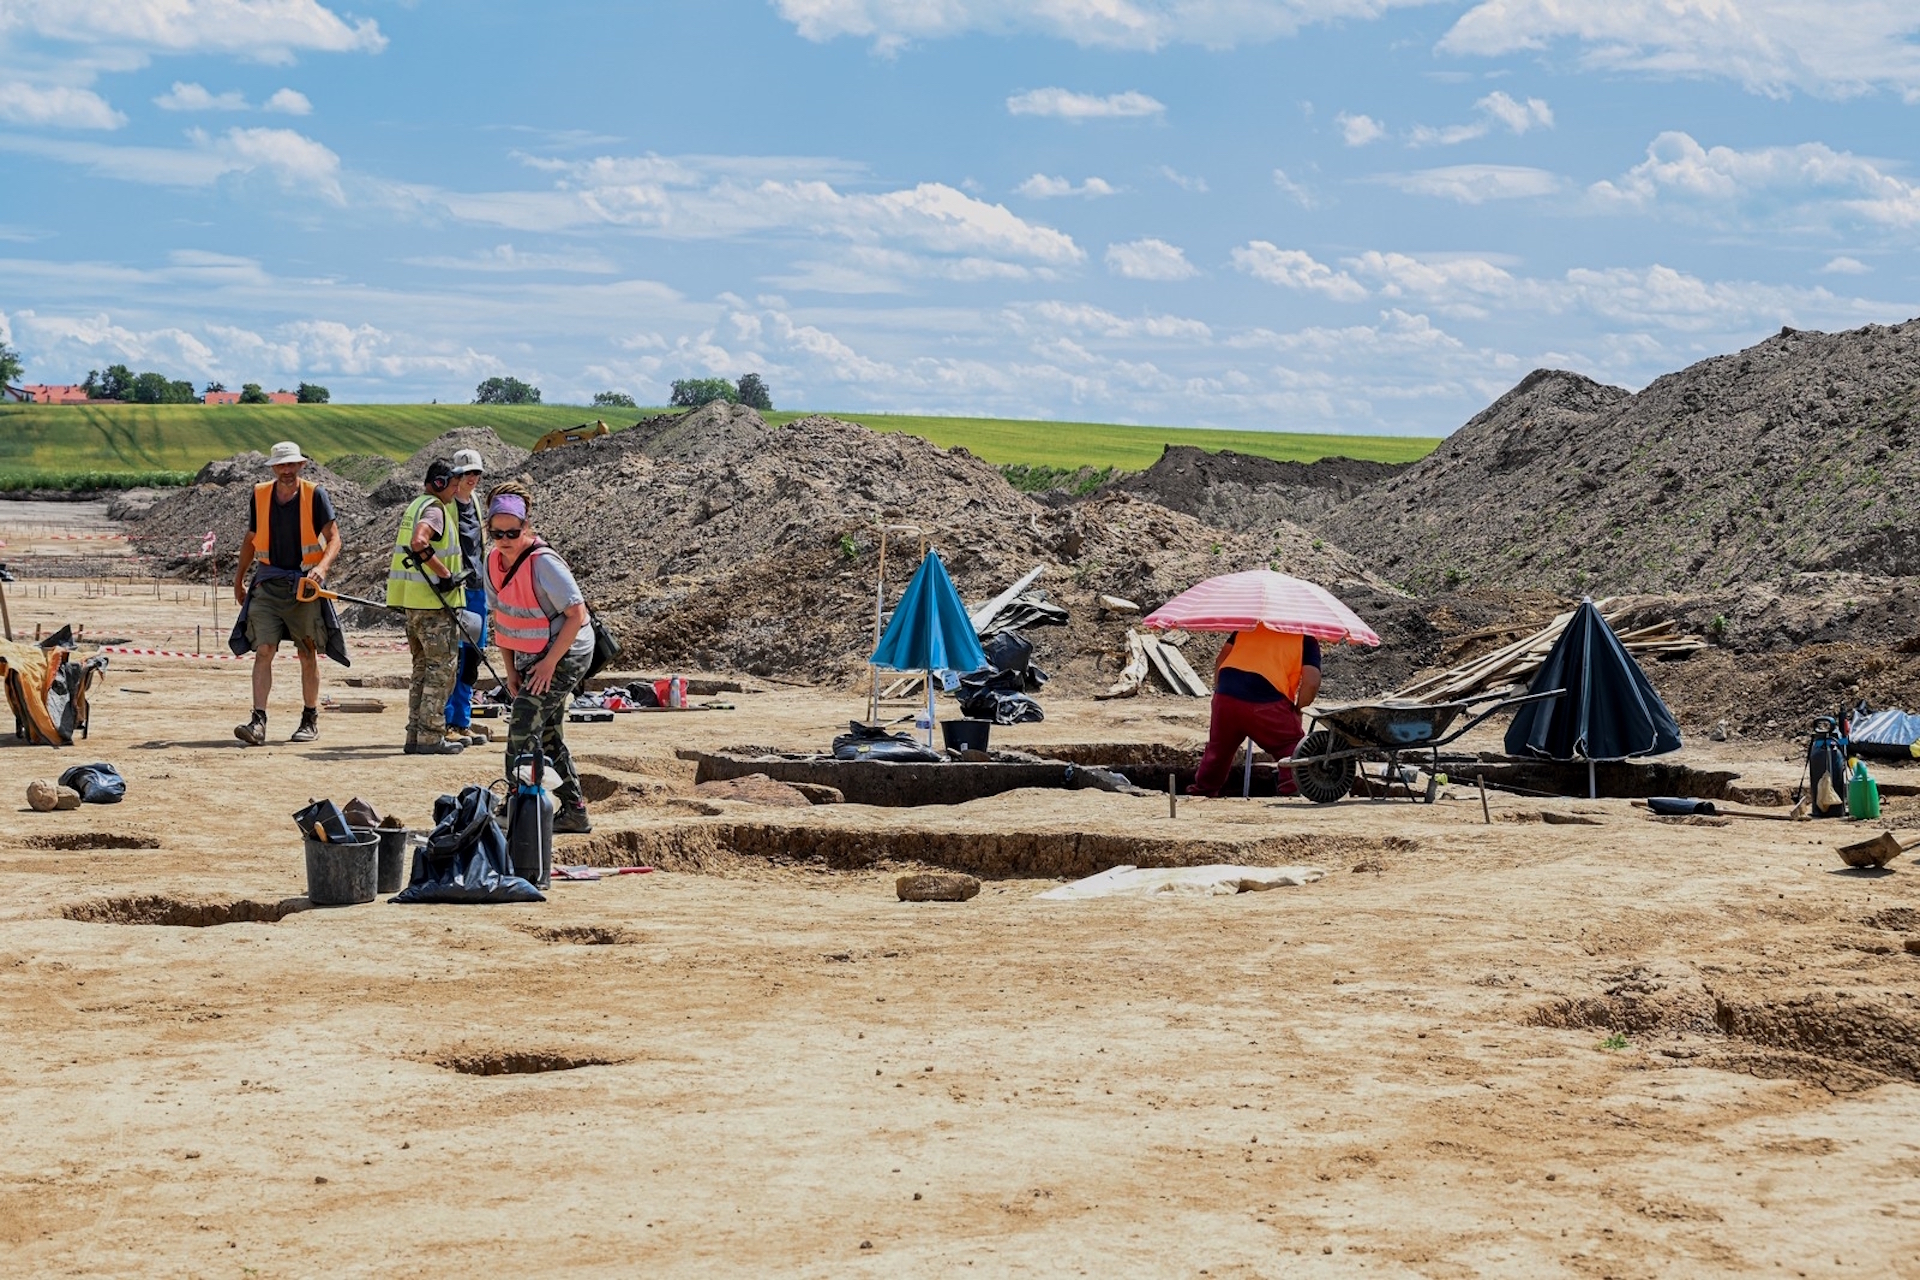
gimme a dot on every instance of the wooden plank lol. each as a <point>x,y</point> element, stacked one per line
<point>1196,687</point>
<point>1133,673</point>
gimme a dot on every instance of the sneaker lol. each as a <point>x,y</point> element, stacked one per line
<point>254,732</point>
<point>572,821</point>
<point>440,748</point>
<point>309,726</point>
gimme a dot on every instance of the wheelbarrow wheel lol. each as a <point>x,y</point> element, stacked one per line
<point>1322,780</point>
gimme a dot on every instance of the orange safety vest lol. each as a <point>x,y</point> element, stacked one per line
<point>519,623</point>
<point>1273,654</point>
<point>311,548</point>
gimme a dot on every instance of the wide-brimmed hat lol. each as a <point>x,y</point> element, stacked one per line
<point>284,452</point>
<point>467,462</point>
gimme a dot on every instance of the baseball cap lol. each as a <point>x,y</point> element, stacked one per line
<point>467,461</point>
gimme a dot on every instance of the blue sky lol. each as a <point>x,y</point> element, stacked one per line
<point>1316,215</point>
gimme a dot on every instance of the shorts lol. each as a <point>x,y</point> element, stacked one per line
<point>273,615</point>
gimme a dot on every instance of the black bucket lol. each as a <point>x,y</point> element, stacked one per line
<point>966,735</point>
<point>340,875</point>
<point>393,855</point>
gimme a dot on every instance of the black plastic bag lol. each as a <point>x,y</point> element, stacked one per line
<point>96,783</point>
<point>465,859</point>
<point>871,742</point>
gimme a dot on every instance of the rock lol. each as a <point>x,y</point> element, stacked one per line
<point>756,788</point>
<point>819,792</point>
<point>42,795</point>
<point>68,798</point>
<point>929,886</point>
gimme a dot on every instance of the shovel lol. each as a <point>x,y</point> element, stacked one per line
<point>468,623</point>
<point>1877,852</point>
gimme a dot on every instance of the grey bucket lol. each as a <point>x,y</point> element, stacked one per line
<point>393,854</point>
<point>339,875</point>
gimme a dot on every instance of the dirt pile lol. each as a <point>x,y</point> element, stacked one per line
<point>1791,456</point>
<point>401,481</point>
<point>1240,491</point>
<point>174,527</point>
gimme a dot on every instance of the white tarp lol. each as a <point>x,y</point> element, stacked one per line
<point>1201,882</point>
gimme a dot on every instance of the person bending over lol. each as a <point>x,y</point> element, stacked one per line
<point>1261,681</point>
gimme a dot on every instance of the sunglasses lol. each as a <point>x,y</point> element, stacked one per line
<point>505,535</point>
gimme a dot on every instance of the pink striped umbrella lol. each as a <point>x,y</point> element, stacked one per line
<point>1261,598</point>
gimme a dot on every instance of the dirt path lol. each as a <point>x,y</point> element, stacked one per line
<point>1401,1068</point>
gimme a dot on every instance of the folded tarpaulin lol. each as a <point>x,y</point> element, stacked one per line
<point>1886,735</point>
<point>465,859</point>
<point>47,688</point>
<point>96,783</point>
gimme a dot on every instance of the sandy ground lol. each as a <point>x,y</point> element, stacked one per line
<point>1619,1049</point>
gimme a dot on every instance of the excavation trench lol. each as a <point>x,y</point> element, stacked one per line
<point>520,1062</point>
<point>1016,854</point>
<point>183,913</point>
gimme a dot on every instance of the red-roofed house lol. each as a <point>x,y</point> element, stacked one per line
<point>282,397</point>
<point>223,397</point>
<point>42,393</point>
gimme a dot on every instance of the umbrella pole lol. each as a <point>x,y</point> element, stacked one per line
<point>930,711</point>
<point>1592,793</point>
<point>1246,773</point>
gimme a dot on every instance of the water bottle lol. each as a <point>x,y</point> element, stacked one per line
<point>676,693</point>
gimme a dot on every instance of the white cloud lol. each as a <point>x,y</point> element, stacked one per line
<point>1124,24</point>
<point>1836,48</point>
<point>1813,180</point>
<point>1358,131</point>
<point>268,30</point>
<point>1845,266</point>
<point>1183,181</point>
<point>296,161</point>
<point>60,106</point>
<point>1299,193</point>
<point>1086,319</point>
<point>1296,269</point>
<point>1042,187</point>
<point>1065,104</point>
<point>1149,259</point>
<point>1476,183</point>
<point>288,102</point>
<point>505,257</point>
<point>1497,110</point>
<point>192,97</point>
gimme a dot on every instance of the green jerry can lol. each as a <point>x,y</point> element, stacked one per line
<point>1863,794</point>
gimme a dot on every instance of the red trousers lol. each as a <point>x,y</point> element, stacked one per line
<point>1275,726</point>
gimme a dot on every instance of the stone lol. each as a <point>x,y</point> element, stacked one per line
<point>933,886</point>
<point>46,796</point>
<point>819,792</point>
<point>755,788</point>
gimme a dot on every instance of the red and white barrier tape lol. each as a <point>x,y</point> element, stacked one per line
<point>213,657</point>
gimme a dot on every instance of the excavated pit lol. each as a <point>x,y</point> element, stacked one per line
<point>582,935</point>
<point>76,840</point>
<point>1029,855</point>
<point>520,1062</point>
<point>182,913</point>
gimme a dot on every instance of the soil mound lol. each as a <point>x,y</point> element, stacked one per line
<point>402,480</point>
<point>1791,456</point>
<point>174,527</point>
<point>1241,491</point>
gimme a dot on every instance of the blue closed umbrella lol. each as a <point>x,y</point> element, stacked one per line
<point>930,631</point>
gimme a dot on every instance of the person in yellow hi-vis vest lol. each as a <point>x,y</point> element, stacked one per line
<point>1261,681</point>
<point>425,574</point>
<point>291,534</point>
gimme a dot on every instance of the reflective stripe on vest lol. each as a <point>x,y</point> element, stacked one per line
<point>519,623</point>
<point>407,587</point>
<point>1272,654</point>
<point>311,548</point>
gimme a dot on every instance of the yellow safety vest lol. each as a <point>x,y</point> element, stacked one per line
<point>408,587</point>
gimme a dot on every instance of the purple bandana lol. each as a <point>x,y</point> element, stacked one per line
<point>508,504</point>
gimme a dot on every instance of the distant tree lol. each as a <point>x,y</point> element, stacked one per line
<point>691,393</point>
<point>250,393</point>
<point>156,388</point>
<point>115,384</point>
<point>505,391</point>
<point>213,387</point>
<point>311,394</point>
<point>753,393</point>
<point>613,400</point>
<point>180,392</point>
<point>11,368</point>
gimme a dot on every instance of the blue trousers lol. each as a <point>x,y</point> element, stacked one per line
<point>460,701</point>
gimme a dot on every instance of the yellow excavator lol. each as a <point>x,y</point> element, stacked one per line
<point>571,435</point>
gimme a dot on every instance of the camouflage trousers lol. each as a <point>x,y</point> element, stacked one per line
<point>542,719</point>
<point>436,662</point>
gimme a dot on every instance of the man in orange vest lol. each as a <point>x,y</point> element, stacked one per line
<point>1261,681</point>
<point>291,534</point>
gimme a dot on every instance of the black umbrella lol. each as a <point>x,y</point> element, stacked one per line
<point>1609,712</point>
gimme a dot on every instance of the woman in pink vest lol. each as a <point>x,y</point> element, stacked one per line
<point>540,624</point>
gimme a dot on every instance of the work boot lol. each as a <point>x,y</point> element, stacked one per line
<point>571,821</point>
<point>432,748</point>
<point>309,726</point>
<point>254,732</point>
<point>412,748</point>
<point>457,738</point>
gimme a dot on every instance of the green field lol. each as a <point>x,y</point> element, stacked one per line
<point>70,446</point>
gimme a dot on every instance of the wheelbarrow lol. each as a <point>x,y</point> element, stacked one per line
<point>1328,760</point>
